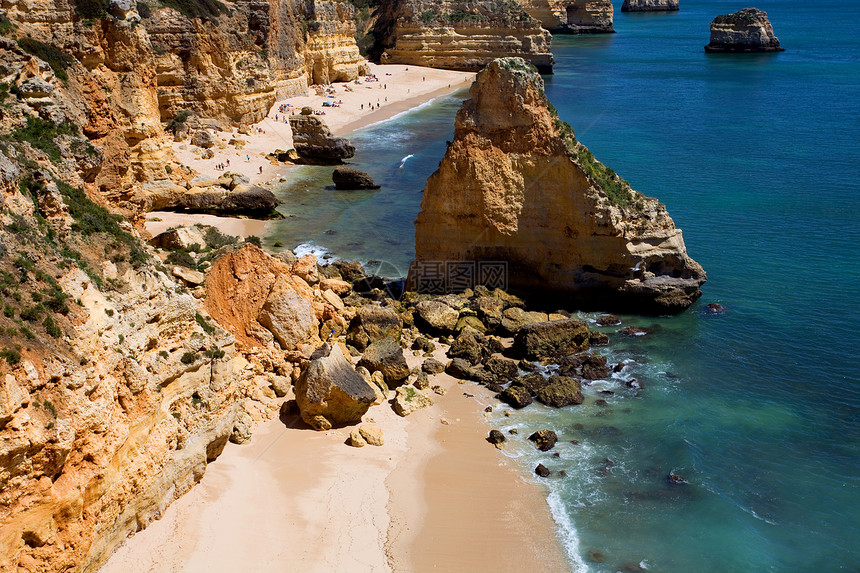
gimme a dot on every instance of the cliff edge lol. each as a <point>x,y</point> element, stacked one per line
<point>459,34</point>
<point>515,186</point>
<point>572,16</point>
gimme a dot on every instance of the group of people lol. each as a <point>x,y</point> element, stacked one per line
<point>222,166</point>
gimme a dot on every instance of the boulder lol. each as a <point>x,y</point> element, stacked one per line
<point>516,396</point>
<point>550,339</point>
<point>408,400</point>
<point>542,471</point>
<point>532,382</point>
<point>472,322</point>
<point>241,427</point>
<point>560,391</point>
<point>288,315</point>
<point>597,338</point>
<point>513,319</point>
<point>331,393</point>
<point>372,323</point>
<point>191,277</point>
<point>422,381</point>
<point>356,440</point>
<point>423,344</point>
<point>587,365</point>
<point>544,440</point>
<point>437,317</point>
<point>181,238</point>
<point>349,179</point>
<point>608,320</point>
<point>489,309</point>
<point>502,369</point>
<point>337,286</point>
<point>496,438</point>
<point>748,30</point>
<point>35,88</point>
<point>372,435</point>
<point>432,366</point>
<point>460,368</point>
<point>386,355</point>
<point>649,6</point>
<point>466,347</point>
<point>315,144</point>
<point>306,268</point>
<point>203,139</point>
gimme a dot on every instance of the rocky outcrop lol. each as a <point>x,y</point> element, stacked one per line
<point>348,179</point>
<point>572,16</point>
<point>650,6</point>
<point>372,323</point>
<point>259,300</point>
<point>516,186</point>
<point>386,356</point>
<point>746,31</point>
<point>315,144</point>
<point>550,339</point>
<point>459,34</point>
<point>331,393</point>
<point>249,200</point>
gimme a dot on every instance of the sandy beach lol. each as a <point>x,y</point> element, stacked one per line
<point>435,497</point>
<point>399,88</point>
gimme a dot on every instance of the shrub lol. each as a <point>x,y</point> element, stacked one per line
<point>11,355</point>
<point>207,328</point>
<point>40,134</point>
<point>254,240</point>
<point>51,327</point>
<point>57,59</point>
<point>215,239</point>
<point>91,9</point>
<point>182,259</point>
<point>6,27</point>
<point>32,313</point>
<point>188,357</point>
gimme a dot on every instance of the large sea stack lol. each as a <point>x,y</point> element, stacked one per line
<point>650,6</point>
<point>459,34</point>
<point>746,31</point>
<point>572,16</point>
<point>516,186</point>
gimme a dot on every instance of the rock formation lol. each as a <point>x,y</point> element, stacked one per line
<point>315,144</point>
<point>516,186</point>
<point>352,179</point>
<point>746,31</point>
<point>572,16</point>
<point>129,70</point>
<point>331,393</point>
<point>650,6</point>
<point>459,34</point>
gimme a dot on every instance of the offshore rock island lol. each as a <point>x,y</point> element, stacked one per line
<point>515,185</point>
<point>748,30</point>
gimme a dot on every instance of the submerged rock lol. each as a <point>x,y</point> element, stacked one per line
<point>746,31</point>
<point>352,179</point>
<point>542,470</point>
<point>330,392</point>
<point>515,186</point>
<point>544,440</point>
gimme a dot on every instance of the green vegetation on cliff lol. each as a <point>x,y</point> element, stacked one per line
<point>56,58</point>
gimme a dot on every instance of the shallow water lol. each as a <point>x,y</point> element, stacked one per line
<point>759,409</point>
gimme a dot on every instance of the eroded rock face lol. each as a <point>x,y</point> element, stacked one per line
<point>650,6</point>
<point>572,16</point>
<point>259,300</point>
<point>331,393</point>
<point>315,144</point>
<point>459,34</point>
<point>516,186</point>
<point>746,31</point>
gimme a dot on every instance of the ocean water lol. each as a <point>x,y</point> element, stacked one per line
<point>757,158</point>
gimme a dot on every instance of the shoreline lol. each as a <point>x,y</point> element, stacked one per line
<point>405,93</point>
<point>435,495</point>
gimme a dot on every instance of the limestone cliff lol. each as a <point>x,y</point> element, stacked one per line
<point>572,16</point>
<point>460,34</point>
<point>121,73</point>
<point>650,6</point>
<point>749,30</point>
<point>516,186</point>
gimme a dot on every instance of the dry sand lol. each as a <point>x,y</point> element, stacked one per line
<point>405,87</point>
<point>435,497</point>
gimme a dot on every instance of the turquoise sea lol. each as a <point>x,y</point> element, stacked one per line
<point>757,158</point>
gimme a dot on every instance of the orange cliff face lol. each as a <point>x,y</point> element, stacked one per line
<point>128,74</point>
<point>516,186</point>
<point>459,34</point>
